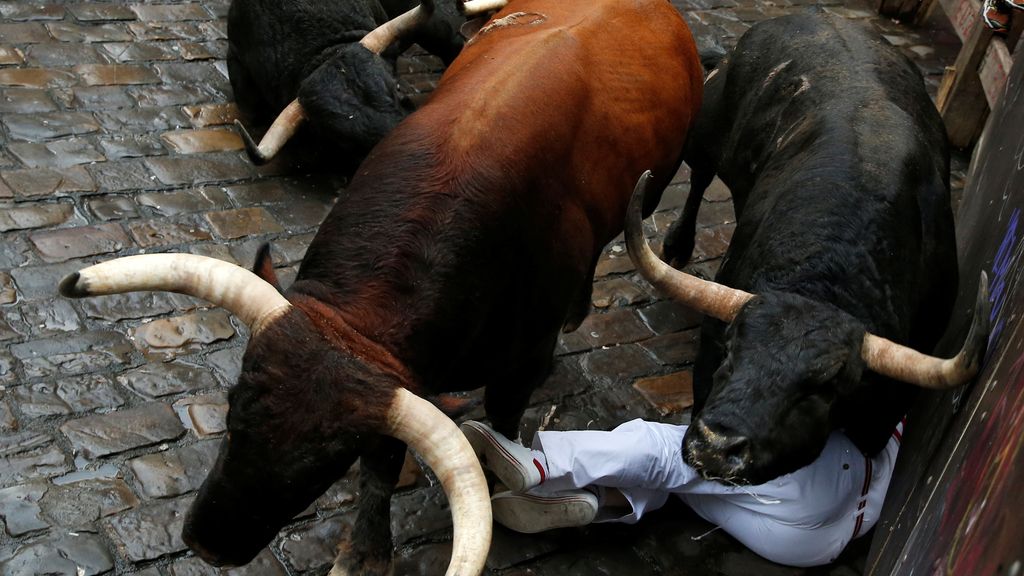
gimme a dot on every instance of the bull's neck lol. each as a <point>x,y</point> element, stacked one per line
<point>338,329</point>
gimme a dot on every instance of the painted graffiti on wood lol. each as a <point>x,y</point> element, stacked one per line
<point>956,506</point>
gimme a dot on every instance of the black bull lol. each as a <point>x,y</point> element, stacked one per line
<point>838,166</point>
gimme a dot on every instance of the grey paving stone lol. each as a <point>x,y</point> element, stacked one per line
<point>39,399</point>
<point>23,33</point>
<point>170,337</point>
<point>19,508</point>
<point>185,201</point>
<point>169,12</point>
<point>149,531</point>
<point>8,292</point>
<point>419,512</point>
<point>93,12</point>
<point>619,363</point>
<point>618,292</point>
<point>163,379</point>
<point>46,125</point>
<point>8,423</point>
<point>96,436</point>
<point>226,363</point>
<point>23,12</point>
<point>264,564</point>
<point>36,78</point>
<point>68,243</point>
<point>176,471</point>
<point>135,120</point>
<point>155,31</point>
<point>206,414</point>
<point>59,154</point>
<point>300,216</point>
<point>25,101</point>
<point>36,215</point>
<point>168,95</point>
<point>89,392</point>
<point>132,145</point>
<point>58,553</point>
<point>40,183</point>
<point>28,456</point>
<point>198,169</point>
<point>36,282</point>
<point>113,207</point>
<point>60,55</point>
<point>314,545</point>
<point>231,224</point>
<point>70,32</point>
<point>42,318</point>
<point>121,175</point>
<point>153,233</point>
<point>667,316</point>
<point>95,98</point>
<point>71,355</point>
<point>77,505</point>
<point>131,305</point>
<point>7,376</point>
<point>615,326</point>
<point>674,348</point>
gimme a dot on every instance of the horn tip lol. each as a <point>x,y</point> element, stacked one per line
<point>977,336</point>
<point>71,287</point>
<point>251,147</point>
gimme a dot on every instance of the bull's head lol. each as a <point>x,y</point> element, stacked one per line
<point>308,400</point>
<point>352,94</point>
<point>787,360</point>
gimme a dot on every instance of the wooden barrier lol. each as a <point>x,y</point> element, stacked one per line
<point>955,505</point>
<point>971,85</point>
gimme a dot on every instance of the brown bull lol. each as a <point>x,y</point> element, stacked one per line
<point>465,242</point>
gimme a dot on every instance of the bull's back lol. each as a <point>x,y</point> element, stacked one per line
<point>582,95</point>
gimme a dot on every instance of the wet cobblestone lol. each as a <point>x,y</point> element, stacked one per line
<point>115,139</point>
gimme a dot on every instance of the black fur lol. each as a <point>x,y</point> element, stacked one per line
<point>838,166</point>
<point>282,49</point>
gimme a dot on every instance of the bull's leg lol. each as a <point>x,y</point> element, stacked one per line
<point>369,551</point>
<point>679,239</point>
<point>580,306</point>
<point>506,400</point>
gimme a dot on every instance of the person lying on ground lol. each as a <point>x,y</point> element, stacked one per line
<point>574,478</point>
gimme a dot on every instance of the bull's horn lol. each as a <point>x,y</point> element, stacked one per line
<point>709,298</point>
<point>446,451</point>
<point>243,293</point>
<point>384,35</point>
<point>477,7</point>
<point>908,365</point>
<point>283,128</point>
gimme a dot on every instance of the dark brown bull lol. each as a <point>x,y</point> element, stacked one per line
<point>465,242</point>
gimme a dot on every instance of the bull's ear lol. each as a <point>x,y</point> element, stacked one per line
<point>471,27</point>
<point>264,267</point>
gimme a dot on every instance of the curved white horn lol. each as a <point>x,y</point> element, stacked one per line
<point>243,293</point>
<point>382,36</point>
<point>709,298</point>
<point>445,449</point>
<point>908,365</point>
<point>477,7</point>
<point>283,128</point>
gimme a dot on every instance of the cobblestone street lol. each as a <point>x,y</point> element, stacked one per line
<point>116,139</point>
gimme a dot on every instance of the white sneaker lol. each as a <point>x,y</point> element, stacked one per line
<point>512,463</point>
<point>530,513</point>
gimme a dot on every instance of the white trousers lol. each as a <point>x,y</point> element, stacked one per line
<point>801,519</point>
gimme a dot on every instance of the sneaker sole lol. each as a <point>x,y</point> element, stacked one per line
<point>531,514</point>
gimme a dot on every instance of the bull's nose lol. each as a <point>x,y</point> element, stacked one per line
<point>716,454</point>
